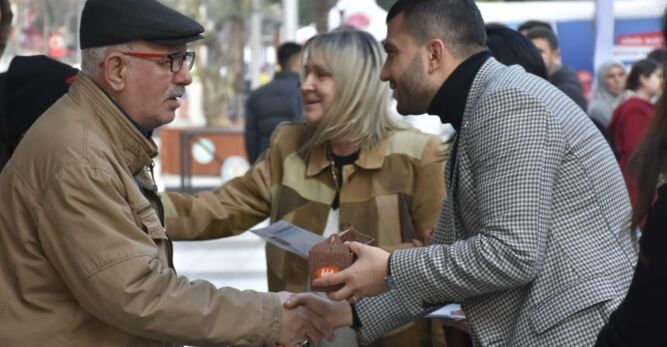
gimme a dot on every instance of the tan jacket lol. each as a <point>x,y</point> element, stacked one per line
<point>393,193</point>
<point>84,259</point>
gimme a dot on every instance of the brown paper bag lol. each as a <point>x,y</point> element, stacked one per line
<point>331,256</point>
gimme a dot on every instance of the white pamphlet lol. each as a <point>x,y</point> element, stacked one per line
<point>449,311</point>
<point>289,237</point>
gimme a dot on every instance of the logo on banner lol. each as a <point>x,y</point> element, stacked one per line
<point>632,47</point>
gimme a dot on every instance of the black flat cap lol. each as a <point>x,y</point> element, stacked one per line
<point>110,22</point>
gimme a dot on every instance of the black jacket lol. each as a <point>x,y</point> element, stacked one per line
<point>268,106</point>
<point>566,80</point>
<point>640,319</point>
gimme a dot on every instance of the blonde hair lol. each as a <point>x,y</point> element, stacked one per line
<point>360,111</point>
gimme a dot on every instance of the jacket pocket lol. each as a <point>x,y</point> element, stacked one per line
<point>571,299</point>
<point>151,224</point>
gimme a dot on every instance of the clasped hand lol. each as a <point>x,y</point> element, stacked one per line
<point>307,316</point>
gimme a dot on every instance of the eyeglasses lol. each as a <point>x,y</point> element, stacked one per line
<point>176,60</point>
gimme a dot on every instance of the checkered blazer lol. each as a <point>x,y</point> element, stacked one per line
<point>533,237</point>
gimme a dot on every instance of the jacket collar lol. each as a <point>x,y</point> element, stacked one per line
<point>484,75</point>
<point>369,159</point>
<point>450,100</point>
<point>135,149</point>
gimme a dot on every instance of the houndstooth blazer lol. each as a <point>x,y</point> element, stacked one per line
<point>533,237</point>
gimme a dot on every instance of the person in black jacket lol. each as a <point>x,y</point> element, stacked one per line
<point>511,48</point>
<point>30,86</point>
<point>560,75</point>
<point>274,103</point>
<point>640,319</point>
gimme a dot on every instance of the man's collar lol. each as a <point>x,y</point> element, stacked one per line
<point>450,101</point>
<point>135,149</point>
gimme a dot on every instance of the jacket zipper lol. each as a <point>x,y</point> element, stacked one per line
<point>154,195</point>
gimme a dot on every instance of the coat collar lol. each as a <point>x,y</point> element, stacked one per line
<point>369,159</point>
<point>485,74</point>
<point>450,100</point>
<point>136,150</point>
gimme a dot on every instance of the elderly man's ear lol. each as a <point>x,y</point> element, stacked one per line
<point>115,70</point>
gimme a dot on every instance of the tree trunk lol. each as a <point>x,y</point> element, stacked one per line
<point>6,17</point>
<point>220,55</point>
<point>236,75</point>
<point>214,85</point>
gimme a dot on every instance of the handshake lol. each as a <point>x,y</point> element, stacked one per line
<point>308,318</point>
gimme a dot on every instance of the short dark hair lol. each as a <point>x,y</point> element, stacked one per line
<point>530,24</point>
<point>286,52</point>
<point>644,67</point>
<point>457,22</point>
<point>510,47</point>
<point>546,34</point>
<point>658,55</point>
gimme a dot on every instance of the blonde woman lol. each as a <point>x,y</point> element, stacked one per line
<point>351,162</point>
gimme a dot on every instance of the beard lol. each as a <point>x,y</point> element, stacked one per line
<point>413,92</point>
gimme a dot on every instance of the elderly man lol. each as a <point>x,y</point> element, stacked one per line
<point>533,236</point>
<point>84,257</point>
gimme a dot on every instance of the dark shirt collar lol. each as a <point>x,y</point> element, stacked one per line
<point>450,101</point>
<point>147,133</point>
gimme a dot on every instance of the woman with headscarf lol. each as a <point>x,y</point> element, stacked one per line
<point>608,93</point>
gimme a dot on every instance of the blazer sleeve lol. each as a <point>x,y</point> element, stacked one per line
<point>513,153</point>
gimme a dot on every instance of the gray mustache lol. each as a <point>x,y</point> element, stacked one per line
<point>175,93</point>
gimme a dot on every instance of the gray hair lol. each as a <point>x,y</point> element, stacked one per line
<point>360,111</point>
<point>92,58</point>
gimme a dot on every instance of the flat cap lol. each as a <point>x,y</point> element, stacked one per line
<point>111,22</point>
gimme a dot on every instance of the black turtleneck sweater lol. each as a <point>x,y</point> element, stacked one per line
<point>450,101</point>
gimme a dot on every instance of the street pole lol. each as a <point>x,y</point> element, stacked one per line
<point>256,58</point>
<point>79,9</point>
<point>290,20</point>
